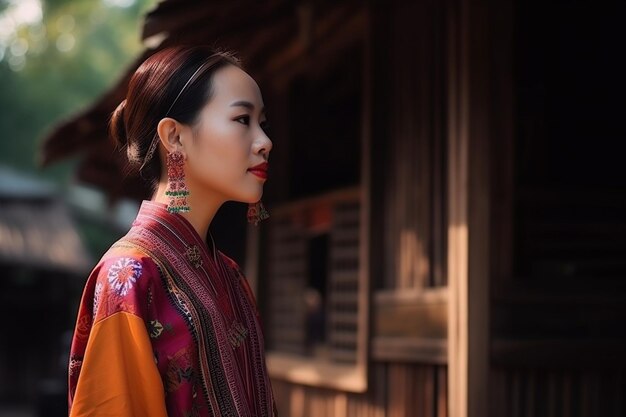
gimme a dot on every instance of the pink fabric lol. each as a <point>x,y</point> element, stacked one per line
<point>201,316</point>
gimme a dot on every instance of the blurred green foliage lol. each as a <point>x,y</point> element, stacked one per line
<point>56,57</point>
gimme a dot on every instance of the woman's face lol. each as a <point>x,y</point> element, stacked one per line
<point>228,140</point>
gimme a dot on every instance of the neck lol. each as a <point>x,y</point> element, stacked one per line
<point>203,207</point>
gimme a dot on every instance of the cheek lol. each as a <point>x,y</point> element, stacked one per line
<point>221,152</point>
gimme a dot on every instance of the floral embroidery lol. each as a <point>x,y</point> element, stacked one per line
<point>83,325</point>
<point>75,364</point>
<point>123,274</point>
<point>96,297</point>
<point>179,370</point>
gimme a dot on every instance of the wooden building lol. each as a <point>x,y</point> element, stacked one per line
<point>447,232</point>
<point>43,260</point>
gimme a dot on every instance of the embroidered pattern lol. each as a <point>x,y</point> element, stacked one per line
<point>179,370</point>
<point>194,256</point>
<point>156,328</point>
<point>83,326</point>
<point>96,297</point>
<point>237,333</point>
<point>205,377</point>
<point>123,274</point>
<point>75,364</point>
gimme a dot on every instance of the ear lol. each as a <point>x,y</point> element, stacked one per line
<point>169,131</point>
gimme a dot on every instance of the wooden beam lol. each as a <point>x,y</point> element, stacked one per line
<point>404,321</point>
<point>468,230</point>
<point>565,353</point>
<point>333,33</point>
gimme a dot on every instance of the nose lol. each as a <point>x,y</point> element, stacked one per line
<point>264,145</point>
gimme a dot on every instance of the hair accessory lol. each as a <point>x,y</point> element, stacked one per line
<point>176,188</point>
<point>257,212</point>
<point>213,60</point>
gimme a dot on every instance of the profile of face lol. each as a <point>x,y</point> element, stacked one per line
<point>227,140</point>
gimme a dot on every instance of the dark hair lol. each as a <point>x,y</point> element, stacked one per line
<point>162,86</point>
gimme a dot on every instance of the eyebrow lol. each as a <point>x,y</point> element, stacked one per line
<point>246,104</point>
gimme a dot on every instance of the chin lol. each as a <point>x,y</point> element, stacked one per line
<point>255,199</point>
<point>243,192</point>
<point>250,198</point>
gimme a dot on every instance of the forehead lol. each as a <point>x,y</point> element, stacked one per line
<point>231,83</point>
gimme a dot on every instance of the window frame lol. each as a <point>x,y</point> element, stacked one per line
<point>318,371</point>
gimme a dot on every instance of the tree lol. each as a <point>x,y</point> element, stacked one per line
<point>56,57</point>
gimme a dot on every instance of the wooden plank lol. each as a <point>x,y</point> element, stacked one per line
<point>442,392</point>
<point>572,353</point>
<point>457,216</point>
<point>345,337</point>
<point>315,372</point>
<point>410,349</point>
<point>344,318</point>
<point>417,320</point>
<point>556,391</point>
<point>345,276</point>
<point>345,253</point>
<point>347,300</point>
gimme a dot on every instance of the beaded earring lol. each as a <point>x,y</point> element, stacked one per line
<point>176,188</point>
<point>257,212</point>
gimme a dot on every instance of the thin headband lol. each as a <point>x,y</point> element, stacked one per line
<point>194,76</point>
<point>189,81</point>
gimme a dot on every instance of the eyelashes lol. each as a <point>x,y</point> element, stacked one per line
<point>246,118</point>
<point>265,125</point>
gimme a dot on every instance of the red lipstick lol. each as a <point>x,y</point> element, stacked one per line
<point>260,170</point>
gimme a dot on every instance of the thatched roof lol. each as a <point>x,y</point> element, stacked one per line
<point>36,229</point>
<point>268,35</point>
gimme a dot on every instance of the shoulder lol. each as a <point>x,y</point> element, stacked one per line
<point>230,262</point>
<point>122,280</point>
<point>124,268</point>
<point>241,277</point>
<point>234,267</point>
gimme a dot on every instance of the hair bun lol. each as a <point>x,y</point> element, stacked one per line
<point>117,125</point>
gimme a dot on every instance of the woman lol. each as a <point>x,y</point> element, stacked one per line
<point>167,324</point>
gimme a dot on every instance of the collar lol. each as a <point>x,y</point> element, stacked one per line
<point>176,230</point>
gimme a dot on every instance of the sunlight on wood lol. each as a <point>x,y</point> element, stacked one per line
<point>312,371</point>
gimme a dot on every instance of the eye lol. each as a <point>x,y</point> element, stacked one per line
<point>246,119</point>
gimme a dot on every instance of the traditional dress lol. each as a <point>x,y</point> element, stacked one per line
<point>167,327</point>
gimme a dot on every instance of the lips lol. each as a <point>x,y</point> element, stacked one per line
<point>260,170</point>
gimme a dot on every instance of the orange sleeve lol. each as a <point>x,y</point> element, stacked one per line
<point>119,376</point>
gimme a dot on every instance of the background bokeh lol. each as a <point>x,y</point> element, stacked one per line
<point>56,57</point>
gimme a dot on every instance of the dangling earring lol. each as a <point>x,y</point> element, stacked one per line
<point>257,212</point>
<point>176,188</point>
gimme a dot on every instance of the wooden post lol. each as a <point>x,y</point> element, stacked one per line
<point>468,230</point>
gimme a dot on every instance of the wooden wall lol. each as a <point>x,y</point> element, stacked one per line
<point>558,299</point>
<point>489,296</point>
<point>404,155</point>
<point>410,123</point>
<point>397,390</point>
<point>545,392</point>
